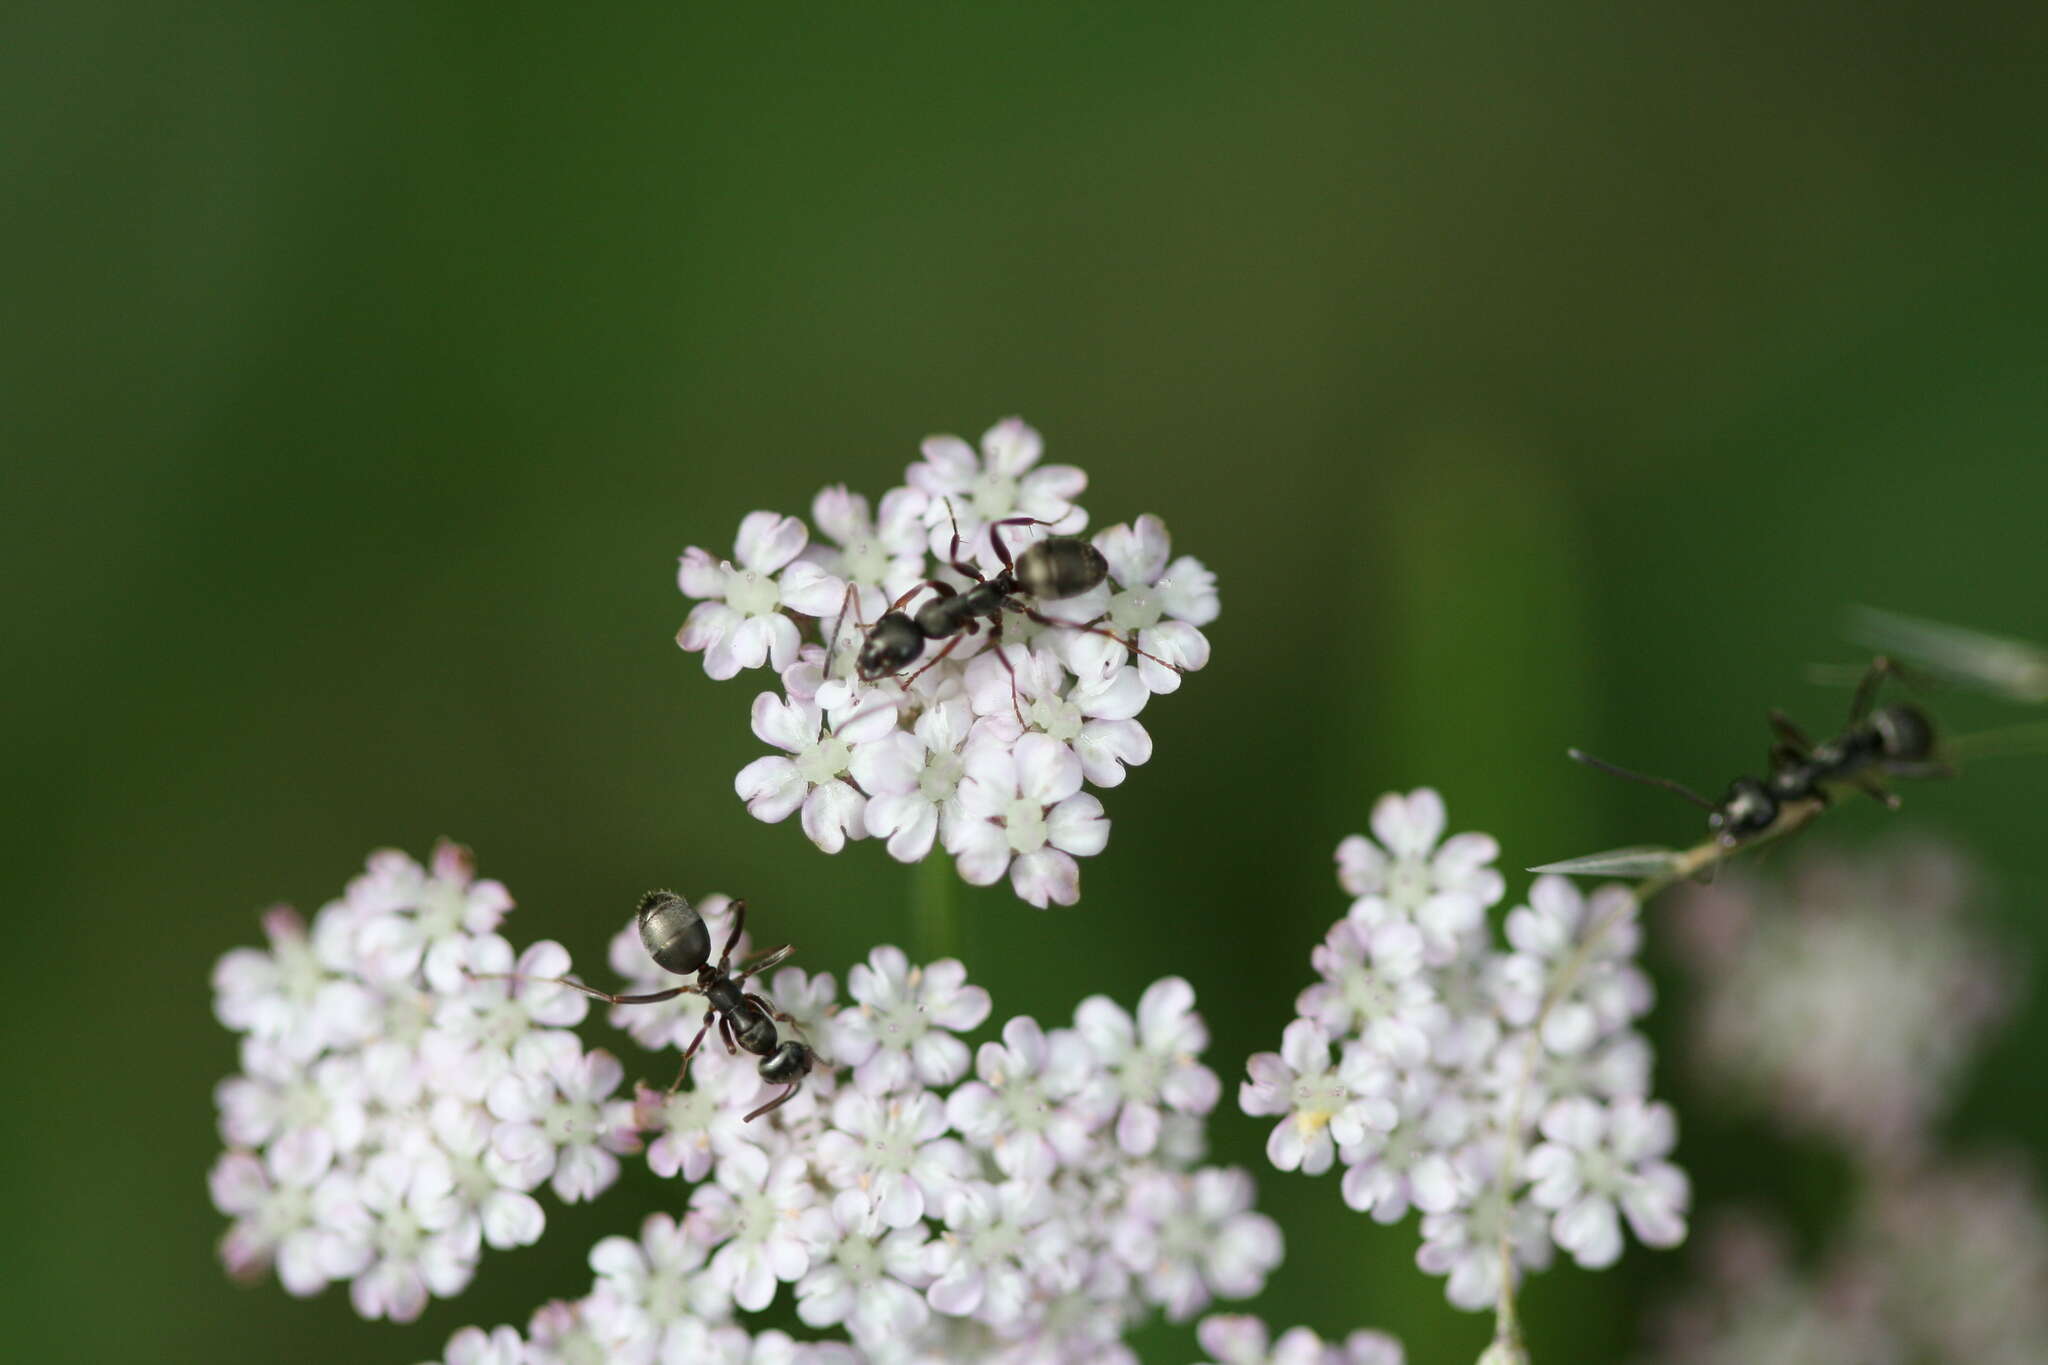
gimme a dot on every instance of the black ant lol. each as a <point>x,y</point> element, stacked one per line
<point>1048,570</point>
<point>1896,740</point>
<point>677,940</point>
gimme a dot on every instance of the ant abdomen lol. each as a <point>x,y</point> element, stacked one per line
<point>1060,566</point>
<point>673,933</point>
<point>1906,732</point>
<point>788,1064</point>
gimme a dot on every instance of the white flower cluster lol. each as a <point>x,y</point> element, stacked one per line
<point>1029,1211</point>
<point>1235,1339</point>
<point>1500,1090</point>
<point>408,1082</point>
<point>1949,1265</point>
<point>1848,1001</point>
<point>1851,999</point>
<point>981,751</point>
<point>395,1109</point>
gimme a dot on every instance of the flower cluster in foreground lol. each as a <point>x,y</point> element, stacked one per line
<point>409,1083</point>
<point>1849,1002</point>
<point>981,750</point>
<point>1499,1090</point>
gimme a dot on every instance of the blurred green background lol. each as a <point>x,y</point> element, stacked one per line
<point>1530,376</point>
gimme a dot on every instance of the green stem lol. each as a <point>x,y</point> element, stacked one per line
<point>934,910</point>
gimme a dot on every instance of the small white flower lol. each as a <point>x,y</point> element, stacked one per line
<point>1028,1107</point>
<point>690,1127</point>
<point>902,1034</point>
<point>475,1346</point>
<point>1445,890</point>
<point>1412,1162</point>
<point>1159,605</point>
<point>1094,716</point>
<point>865,1275</point>
<point>1022,811</point>
<point>1463,1244</point>
<point>1598,1157</point>
<point>813,776</point>
<point>755,1207</point>
<point>654,1288</point>
<point>302,994</point>
<point>997,1237</point>
<point>1373,984</point>
<point>1195,1236</point>
<point>891,1150</point>
<point>912,778</point>
<point>1553,933</point>
<point>407,1226</point>
<point>739,623</point>
<point>1148,1063</point>
<point>881,556</point>
<point>1322,1106</point>
<point>999,483</point>
<point>448,907</point>
<point>565,1110</point>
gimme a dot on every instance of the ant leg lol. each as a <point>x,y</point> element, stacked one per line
<point>1921,770</point>
<point>1093,629</point>
<point>775,1103</point>
<point>1784,727</point>
<point>953,550</point>
<point>688,1053</point>
<point>938,590</point>
<point>1866,691</point>
<point>651,998</point>
<point>995,642</point>
<point>1875,790</point>
<point>1002,550</point>
<point>764,962</point>
<point>768,1007</point>
<point>725,1031</point>
<point>739,924</point>
<point>951,645</point>
<point>851,599</point>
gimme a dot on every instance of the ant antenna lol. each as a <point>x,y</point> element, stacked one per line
<point>1676,788</point>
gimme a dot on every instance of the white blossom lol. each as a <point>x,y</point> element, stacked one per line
<point>739,621</point>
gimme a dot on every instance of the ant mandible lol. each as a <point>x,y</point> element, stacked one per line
<point>1048,570</point>
<point>677,940</point>
<point>1896,740</point>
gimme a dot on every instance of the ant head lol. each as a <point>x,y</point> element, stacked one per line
<point>1747,810</point>
<point>789,1063</point>
<point>673,933</point>
<point>893,644</point>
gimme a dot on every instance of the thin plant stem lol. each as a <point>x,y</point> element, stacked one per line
<point>1793,816</point>
<point>935,909</point>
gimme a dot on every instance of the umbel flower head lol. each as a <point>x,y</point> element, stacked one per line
<point>981,741</point>
<point>1498,1089</point>
<point>918,1198</point>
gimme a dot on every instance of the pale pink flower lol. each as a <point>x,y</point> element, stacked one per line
<point>1022,811</point>
<point>901,1036</point>
<point>1005,480</point>
<point>1148,1064</point>
<point>1160,606</point>
<point>739,623</point>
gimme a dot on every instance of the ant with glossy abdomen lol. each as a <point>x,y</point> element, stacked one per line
<point>1896,740</point>
<point>1047,570</point>
<point>678,941</point>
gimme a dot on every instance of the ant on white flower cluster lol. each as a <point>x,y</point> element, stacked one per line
<point>677,940</point>
<point>957,660</point>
